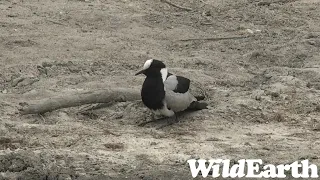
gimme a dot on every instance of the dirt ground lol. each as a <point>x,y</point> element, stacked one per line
<point>263,87</point>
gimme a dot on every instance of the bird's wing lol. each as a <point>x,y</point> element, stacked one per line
<point>177,96</point>
<point>177,84</point>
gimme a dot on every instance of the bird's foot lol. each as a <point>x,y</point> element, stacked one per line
<point>152,120</point>
<point>171,120</point>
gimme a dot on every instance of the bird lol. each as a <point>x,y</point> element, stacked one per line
<point>164,93</point>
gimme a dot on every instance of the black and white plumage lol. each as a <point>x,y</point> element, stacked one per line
<point>177,96</point>
<point>162,92</point>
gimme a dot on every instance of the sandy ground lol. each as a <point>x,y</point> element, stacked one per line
<point>263,89</point>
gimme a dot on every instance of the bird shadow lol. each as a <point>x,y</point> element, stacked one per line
<point>163,122</point>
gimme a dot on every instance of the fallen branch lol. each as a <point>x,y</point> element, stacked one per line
<point>92,97</point>
<point>56,22</point>
<point>214,39</point>
<point>176,6</point>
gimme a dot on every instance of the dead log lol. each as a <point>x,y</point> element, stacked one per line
<point>91,97</point>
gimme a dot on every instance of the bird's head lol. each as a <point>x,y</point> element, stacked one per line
<point>153,67</point>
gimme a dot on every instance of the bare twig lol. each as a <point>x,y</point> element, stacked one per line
<point>264,3</point>
<point>203,23</point>
<point>215,39</point>
<point>55,22</point>
<point>92,97</point>
<point>41,116</point>
<point>106,132</point>
<point>176,6</point>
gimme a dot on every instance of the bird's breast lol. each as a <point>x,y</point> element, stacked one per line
<point>153,93</point>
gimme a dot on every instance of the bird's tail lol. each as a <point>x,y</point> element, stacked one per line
<point>196,105</point>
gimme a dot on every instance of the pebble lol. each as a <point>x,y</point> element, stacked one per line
<point>249,31</point>
<point>16,81</point>
<point>316,127</point>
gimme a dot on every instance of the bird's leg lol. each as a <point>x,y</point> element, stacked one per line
<point>174,119</point>
<point>153,119</point>
<point>147,122</point>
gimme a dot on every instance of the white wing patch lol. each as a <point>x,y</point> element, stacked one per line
<point>176,101</point>
<point>171,82</point>
<point>164,73</point>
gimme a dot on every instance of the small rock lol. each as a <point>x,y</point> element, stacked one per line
<point>153,143</point>
<point>46,64</point>
<point>316,127</point>
<point>118,116</point>
<point>249,31</point>
<point>266,148</point>
<point>16,81</point>
<point>263,3</point>
<point>5,91</point>
<point>42,70</point>
<point>97,167</point>
<point>242,27</point>
<point>90,114</point>
<point>279,117</point>
<point>114,146</point>
<point>273,93</point>
<point>257,94</point>
<point>11,15</point>
<point>311,42</point>
<point>28,81</point>
<point>308,85</point>
<point>315,43</point>
<point>268,76</point>
<point>284,97</point>
<point>5,140</point>
<point>73,68</point>
<point>206,13</point>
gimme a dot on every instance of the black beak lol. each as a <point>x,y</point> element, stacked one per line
<point>140,72</point>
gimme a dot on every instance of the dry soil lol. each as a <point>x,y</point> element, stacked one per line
<point>261,81</point>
